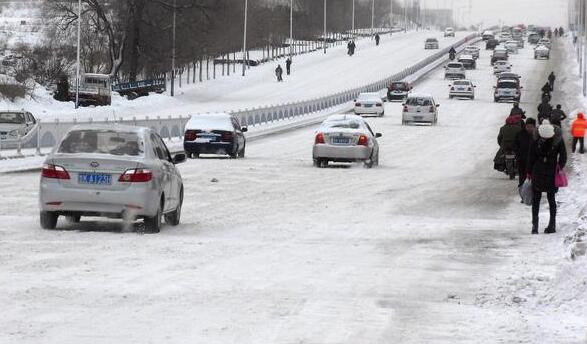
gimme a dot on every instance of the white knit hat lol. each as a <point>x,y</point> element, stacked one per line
<point>546,130</point>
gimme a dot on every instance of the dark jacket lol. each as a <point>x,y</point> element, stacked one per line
<point>544,110</point>
<point>557,116</point>
<point>508,134</point>
<point>543,158</point>
<point>546,88</point>
<point>551,78</point>
<point>522,145</point>
<point>516,111</point>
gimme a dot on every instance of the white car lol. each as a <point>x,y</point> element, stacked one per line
<point>345,138</point>
<point>112,171</point>
<point>507,89</point>
<point>501,67</point>
<point>512,47</point>
<point>455,70</point>
<point>369,104</point>
<point>541,52</point>
<point>15,125</point>
<point>546,42</point>
<point>449,32</point>
<point>473,51</point>
<point>462,89</point>
<point>488,34</point>
<point>420,108</point>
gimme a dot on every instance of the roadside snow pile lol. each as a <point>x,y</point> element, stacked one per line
<point>577,203</point>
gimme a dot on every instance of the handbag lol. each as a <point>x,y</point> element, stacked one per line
<point>560,178</point>
<point>526,192</point>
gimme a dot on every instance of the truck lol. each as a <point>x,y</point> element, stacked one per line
<point>94,89</point>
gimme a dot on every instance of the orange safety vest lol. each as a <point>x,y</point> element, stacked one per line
<point>578,127</point>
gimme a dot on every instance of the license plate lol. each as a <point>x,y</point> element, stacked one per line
<point>418,117</point>
<point>205,139</point>
<point>341,140</point>
<point>95,178</point>
<point>368,105</point>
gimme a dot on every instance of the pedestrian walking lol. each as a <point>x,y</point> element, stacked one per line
<point>353,47</point>
<point>544,110</point>
<point>551,79</point>
<point>279,73</point>
<point>522,145</point>
<point>288,63</point>
<point>578,132</point>
<point>349,47</point>
<point>546,156</point>
<point>557,116</point>
<point>377,39</point>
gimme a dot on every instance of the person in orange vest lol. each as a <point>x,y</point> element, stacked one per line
<point>578,132</point>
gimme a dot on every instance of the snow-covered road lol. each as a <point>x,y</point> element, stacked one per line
<point>277,251</point>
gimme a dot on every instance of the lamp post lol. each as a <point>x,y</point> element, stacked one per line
<point>173,49</point>
<point>79,32</point>
<point>405,15</point>
<point>291,28</point>
<point>324,26</point>
<point>353,24</point>
<point>245,38</point>
<point>373,18</point>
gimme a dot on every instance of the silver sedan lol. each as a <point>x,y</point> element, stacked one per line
<point>346,138</point>
<point>111,171</point>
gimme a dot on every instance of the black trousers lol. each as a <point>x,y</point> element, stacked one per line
<point>551,196</point>
<point>581,141</point>
<point>522,172</point>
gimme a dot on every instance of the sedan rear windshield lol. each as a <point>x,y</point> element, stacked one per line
<point>462,83</point>
<point>11,117</point>
<point>399,87</point>
<point>419,102</point>
<point>349,124</point>
<point>508,84</point>
<point>431,40</point>
<point>455,65</point>
<point>102,142</point>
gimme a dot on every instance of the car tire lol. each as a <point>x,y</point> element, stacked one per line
<point>174,217</point>
<point>153,224</point>
<point>450,97</point>
<point>241,153</point>
<point>382,114</point>
<point>368,163</point>
<point>194,155</point>
<point>233,155</point>
<point>73,219</point>
<point>320,163</point>
<point>48,220</point>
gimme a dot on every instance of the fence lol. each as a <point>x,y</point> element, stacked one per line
<point>47,134</point>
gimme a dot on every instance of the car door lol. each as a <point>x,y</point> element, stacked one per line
<point>374,140</point>
<point>239,133</point>
<point>167,171</point>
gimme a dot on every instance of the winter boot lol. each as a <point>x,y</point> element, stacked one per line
<point>534,229</point>
<point>551,229</point>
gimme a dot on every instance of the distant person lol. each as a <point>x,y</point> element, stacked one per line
<point>561,31</point>
<point>517,111</point>
<point>551,80</point>
<point>377,39</point>
<point>353,47</point>
<point>288,63</point>
<point>555,32</point>
<point>349,48</point>
<point>557,116</point>
<point>544,110</point>
<point>522,145</point>
<point>279,73</point>
<point>578,132</point>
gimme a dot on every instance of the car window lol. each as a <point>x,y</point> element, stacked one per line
<point>419,102</point>
<point>12,117</point>
<point>369,128</point>
<point>102,142</point>
<point>159,147</point>
<point>343,124</point>
<point>235,124</point>
<point>462,83</point>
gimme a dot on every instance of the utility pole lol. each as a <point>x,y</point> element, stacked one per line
<point>173,49</point>
<point>291,28</point>
<point>353,20</point>
<point>405,15</point>
<point>245,39</point>
<point>391,14</point>
<point>79,32</point>
<point>373,18</point>
<point>324,26</point>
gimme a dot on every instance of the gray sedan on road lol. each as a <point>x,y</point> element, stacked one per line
<point>111,171</point>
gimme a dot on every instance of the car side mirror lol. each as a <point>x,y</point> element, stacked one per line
<point>437,105</point>
<point>378,135</point>
<point>179,158</point>
<point>245,129</point>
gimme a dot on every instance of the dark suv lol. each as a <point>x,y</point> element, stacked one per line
<point>398,91</point>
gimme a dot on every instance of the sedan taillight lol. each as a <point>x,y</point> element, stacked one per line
<point>431,108</point>
<point>54,172</point>
<point>363,141</point>
<point>227,137</point>
<point>405,108</point>
<point>379,104</point>
<point>319,139</point>
<point>357,104</point>
<point>137,175</point>
<point>190,135</point>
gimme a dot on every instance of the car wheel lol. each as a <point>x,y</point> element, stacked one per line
<point>194,155</point>
<point>368,163</point>
<point>233,155</point>
<point>174,217</point>
<point>241,154</point>
<point>450,97</point>
<point>382,114</point>
<point>73,219</point>
<point>48,220</point>
<point>153,224</point>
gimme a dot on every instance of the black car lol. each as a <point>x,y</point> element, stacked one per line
<point>398,91</point>
<point>468,62</point>
<point>491,44</point>
<point>219,134</point>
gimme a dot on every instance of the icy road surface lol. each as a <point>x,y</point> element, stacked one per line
<point>280,252</point>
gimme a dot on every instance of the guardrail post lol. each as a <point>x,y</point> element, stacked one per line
<point>38,137</point>
<point>1,148</point>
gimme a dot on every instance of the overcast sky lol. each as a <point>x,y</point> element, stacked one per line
<point>539,12</point>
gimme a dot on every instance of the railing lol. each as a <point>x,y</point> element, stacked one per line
<point>47,134</point>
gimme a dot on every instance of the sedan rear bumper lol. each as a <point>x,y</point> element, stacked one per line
<point>374,110</point>
<point>342,153</point>
<point>220,148</point>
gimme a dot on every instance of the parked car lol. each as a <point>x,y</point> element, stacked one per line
<point>507,89</point>
<point>15,125</point>
<point>512,47</point>
<point>491,44</point>
<point>499,54</point>
<point>345,138</point>
<point>501,66</point>
<point>533,38</point>
<point>462,89</point>
<point>455,70</point>
<point>398,91</point>
<point>487,35</point>
<point>216,133</point>
<point>420,108</point>
<point>449,32</point>
<point>431,43</point>
<point>113,171</point>
<point>541,52</point>
<point>472,50</point>
<point>468,61</point>
<point>369,104</point>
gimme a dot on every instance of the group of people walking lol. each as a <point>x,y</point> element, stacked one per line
<point>279,70</point>
<point>540,149</point>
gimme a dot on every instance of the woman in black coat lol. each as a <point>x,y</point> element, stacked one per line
<point>545,154</point>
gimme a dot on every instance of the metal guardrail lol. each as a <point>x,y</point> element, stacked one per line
<point>47,134</point>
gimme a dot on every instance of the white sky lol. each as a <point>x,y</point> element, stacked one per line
<point>539,12</point>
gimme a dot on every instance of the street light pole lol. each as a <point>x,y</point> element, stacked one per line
<point>373,18</point>
<point>245,38</point>
<point>324,26</point>
<point>391,14</point>
<point>291,28</point>
<point>79,32</point>
<point>353,25</point>
<point>173,49</point>
<point>405,15</point>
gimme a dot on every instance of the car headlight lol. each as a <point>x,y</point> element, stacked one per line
<point>13,133</point>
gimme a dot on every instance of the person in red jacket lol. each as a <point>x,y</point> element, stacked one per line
<point>578,132</point>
